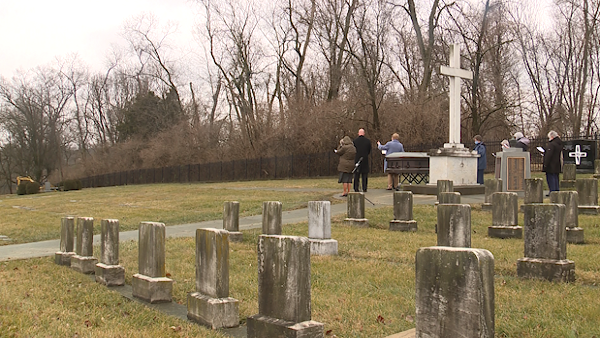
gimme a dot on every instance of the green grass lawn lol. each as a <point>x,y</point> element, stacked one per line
<point>367,290</point>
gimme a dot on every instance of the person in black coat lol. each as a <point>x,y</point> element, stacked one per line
<point>363,149</point>
<point>552,164</point>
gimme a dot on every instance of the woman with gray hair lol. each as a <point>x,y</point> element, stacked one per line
<point>347,152</point>
<point>552,163</point>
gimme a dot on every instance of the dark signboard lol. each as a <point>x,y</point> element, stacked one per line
<point>580,152</point>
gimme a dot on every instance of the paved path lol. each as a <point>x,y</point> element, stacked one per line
<point>375,198</point>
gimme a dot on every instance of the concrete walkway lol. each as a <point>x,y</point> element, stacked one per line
<point>375,198</point>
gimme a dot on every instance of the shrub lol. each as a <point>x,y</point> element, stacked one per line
<point>70,185</point>
<point>26,188</point>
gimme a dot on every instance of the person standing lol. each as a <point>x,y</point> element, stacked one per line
<point>347,153</point>
<point>394,146</point>
<point>363,149</point>
<point>482,160</point>
<point>522,141</point>
<point>552,156</point>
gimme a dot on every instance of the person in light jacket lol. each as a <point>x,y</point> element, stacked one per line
<point>394,146</point>
<point>347,152</point>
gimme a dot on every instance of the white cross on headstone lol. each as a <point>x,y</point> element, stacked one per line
<point>455,73</point>
<point>578,154</point>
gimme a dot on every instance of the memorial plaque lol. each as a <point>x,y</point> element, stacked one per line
<point>516,174</point>
<point>580,152</point>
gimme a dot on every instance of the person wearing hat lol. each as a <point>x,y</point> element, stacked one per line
<point>522,141</point>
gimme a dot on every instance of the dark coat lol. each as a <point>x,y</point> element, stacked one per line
<point>552,156</point>
<point>363,149</point>
<point>347,153</point>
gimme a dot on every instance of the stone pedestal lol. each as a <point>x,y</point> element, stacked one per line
<point>454,225</point>
<point>108,271</point>
<point>403,212</point>
<point>211,305</point>
<point>513,168</point>
<point>575,235</point>
<point>67,235</point>
<point>319,229</point>
<point>283,290</point>
<point>546,244</point>
<point>151,283</point>
<point>505,213</point>
<point>569,177</point>
<point>152,289</point>
<point>549,269</point>
<point>271,218</point>
<point>110,275</point>
<point>492,185</point>
<point>454,292</point>
<point>457,164</point>
<point>571,201</point>
<point>356,210</point>
<point>83,260</point>
<point>231,221</point>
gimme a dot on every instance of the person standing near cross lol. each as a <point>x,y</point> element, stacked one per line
<point>552,165</point>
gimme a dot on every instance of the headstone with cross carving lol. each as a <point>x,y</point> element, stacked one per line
<point>582,153</point>
<point>454,162</point>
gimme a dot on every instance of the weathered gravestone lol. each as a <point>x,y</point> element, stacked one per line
<point>571,201</point>
<point>454,225</point>
<point>534,191</point>
<point>67,234</point>
<point>284,301</point>
<point>210,304</point>
<point>108,271</point>
<point>492,185</point>
<point>403,212</point>
<point>546,244</point>
<point>83,260</point>
<point>231,221</point>
<point>454,292</point>
<point>444,186</point>
<point>449,198</point>
<point>587,188</point>
<point>505,216</point>
<point>271,218</point>
<point>319,229</point>
<point>151,283</point>
<point>569,176</point>
<point>356,210</point>
<point>597,169</point>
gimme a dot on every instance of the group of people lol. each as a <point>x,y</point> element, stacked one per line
<point>354,161</point>
<point>552,165</point>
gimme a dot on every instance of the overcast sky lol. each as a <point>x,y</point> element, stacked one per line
<point>35,32</point>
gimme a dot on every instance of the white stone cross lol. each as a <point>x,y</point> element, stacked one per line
<point>455,73</point>
<point>578,154</point>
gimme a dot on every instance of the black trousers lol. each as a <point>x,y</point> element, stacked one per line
<point>357,175</point>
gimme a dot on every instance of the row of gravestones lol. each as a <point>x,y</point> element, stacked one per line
<point>504,206</point>
<point>446,301</point>
<point>283,268</point>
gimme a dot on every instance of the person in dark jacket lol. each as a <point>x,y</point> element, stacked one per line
<point>522,141</point>
<point>363,149</point>
<point>482,160</point>
<point>552,164</point>
<point>347,153</point>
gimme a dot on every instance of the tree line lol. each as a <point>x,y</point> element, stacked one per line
<point>295,76</point>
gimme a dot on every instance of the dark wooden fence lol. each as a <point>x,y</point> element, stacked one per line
<point>291,166</point>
